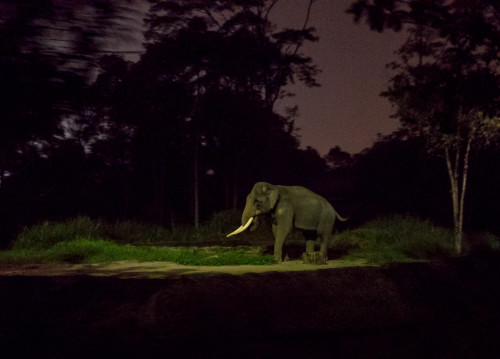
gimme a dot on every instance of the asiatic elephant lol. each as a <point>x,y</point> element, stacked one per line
<point>291,207</point>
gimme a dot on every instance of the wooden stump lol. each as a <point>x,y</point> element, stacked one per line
<point>313,258</point>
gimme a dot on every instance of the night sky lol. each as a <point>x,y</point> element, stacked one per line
<point>346,110</point>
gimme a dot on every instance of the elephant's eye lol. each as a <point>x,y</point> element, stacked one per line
<point>258,205</point>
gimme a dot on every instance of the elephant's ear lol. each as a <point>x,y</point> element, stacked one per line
<point>273,195</point>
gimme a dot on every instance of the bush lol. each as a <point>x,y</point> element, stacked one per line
<point>482,242</point>
<point>48,234</point>
<point>83,240</point>
<point>388,239</point>
<point>395,239</point>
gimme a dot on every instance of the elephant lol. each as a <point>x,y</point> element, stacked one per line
<point>290,207</point>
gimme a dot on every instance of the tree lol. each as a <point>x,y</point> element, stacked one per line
<point>261,60</point>
<point>73,34</point>
<point>30,97</point>
<point>447,84</point>
<point>48,50</point>
<point>336,158</point>
<point>48,54</point>
<point>225,53</point>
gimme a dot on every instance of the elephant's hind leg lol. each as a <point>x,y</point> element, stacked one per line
<point>311,239</point>
<point>324,234</point>
<point>310,243</point>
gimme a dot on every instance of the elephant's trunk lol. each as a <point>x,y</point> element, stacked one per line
<point>242,228</point>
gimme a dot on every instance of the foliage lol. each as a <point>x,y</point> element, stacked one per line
<point>483,242</point>
<point>73,35</point>
<point>337,158</point>
<point>83,240</point>
<point>396,239</point>
<point>383,240</point>
<point>123,148</point>
<point>261,61</point>
<point>48,234</point>
<point>193,107</point>
<point>446,86</point>
<point>190,125</point>
<point>47,52</point>
<point>214,231</point>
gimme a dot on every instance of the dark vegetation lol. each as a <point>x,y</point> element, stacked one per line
<point>82,240</point>
<point>156,147</point>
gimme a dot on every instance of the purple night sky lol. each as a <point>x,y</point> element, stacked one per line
<point>346,110</point>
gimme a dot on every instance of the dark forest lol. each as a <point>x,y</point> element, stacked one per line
<point>185,131</point>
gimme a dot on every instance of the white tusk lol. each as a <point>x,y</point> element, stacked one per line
<point>241,229</point>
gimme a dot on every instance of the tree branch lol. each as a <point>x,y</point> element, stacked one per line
<point>306,21</point>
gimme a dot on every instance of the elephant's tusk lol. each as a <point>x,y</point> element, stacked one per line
<point>241,229</point>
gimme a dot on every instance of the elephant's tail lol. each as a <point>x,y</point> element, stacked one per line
<point>342,219</point>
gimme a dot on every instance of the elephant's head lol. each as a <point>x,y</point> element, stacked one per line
<point>261,200</point>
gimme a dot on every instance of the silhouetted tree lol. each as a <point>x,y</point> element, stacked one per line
<point>74,34</point>
<point>447,84</point>
<point>232,66</point>
<point>336,158</point>
<point>48,53</point>
<point>395,176</point>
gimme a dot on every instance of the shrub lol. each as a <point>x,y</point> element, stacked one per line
<point>132,232</point>
<point>47,234</point>
<point>383,240</point>
<point>482,242</point>
<point>396,238</point>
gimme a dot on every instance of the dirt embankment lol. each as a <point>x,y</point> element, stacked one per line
<point>440,309</point>
<point>161,270</point>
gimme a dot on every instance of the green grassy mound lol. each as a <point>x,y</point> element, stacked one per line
<point>404,238</point>
<point>84,250</point>
<point>83,240</point>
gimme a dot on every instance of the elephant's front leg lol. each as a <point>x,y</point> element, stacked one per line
<point>280,231</point>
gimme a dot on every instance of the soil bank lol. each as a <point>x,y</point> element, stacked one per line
<point>443,309</point>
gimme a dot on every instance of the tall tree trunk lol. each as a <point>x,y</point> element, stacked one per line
<point>172,221</point>
<point>126,198</point>
<point>2,167</point>
<point>452,174</point>
<point>458,190</point>
<point>196,182</point>
<point>161,189</point>
<point>235,195</point>
<point>465,171</point>
<point>227,188</point>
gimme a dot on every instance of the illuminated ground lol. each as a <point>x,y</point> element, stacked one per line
<point>131,269</point>
<point>441,309</point>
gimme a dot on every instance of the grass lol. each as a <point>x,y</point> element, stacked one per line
<point>403,238</point>
<point>85,250</point>
<point>47,234</point>
<point>396,239</point>
<point>83,240</point>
